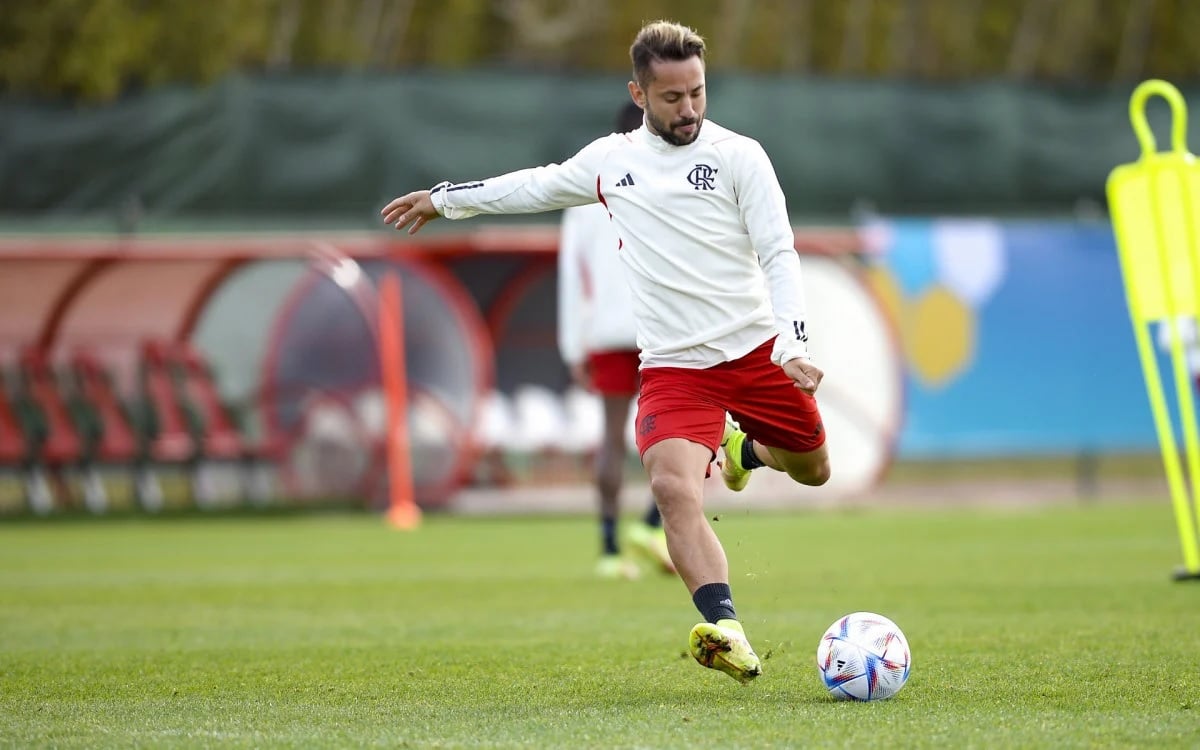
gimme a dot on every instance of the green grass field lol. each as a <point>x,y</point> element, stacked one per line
<point>1033,628</point>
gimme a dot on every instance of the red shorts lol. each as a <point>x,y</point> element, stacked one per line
<point>677,402</point>
<point>614,373</point>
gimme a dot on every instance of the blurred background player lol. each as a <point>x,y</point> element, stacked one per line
<point>597,337</point>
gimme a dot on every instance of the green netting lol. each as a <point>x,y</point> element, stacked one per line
<point>339,146</point>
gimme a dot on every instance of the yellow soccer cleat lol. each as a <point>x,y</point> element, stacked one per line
<point>651,543</point>
<point>724,646</point>
<point>617,568</point>
<point>732,472</point>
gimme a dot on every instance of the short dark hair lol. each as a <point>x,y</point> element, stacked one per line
<point>663,40</point>
<point>629,118</point>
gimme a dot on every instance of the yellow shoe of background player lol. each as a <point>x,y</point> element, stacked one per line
<point>732,472</point>
<point>617,568</point>
<point>651,543</point>
<point>724,646</point>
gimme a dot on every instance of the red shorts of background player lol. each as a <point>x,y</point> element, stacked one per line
<point>614,373</point>
<point>691,404</point>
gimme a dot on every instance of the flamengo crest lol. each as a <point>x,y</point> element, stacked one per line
<point>702,177</point>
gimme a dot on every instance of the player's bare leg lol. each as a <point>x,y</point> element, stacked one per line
<point>646,536</point>
<point>811,467</point>
<point>677,468</point>
<point>610,457</point>
<point>609,477</point>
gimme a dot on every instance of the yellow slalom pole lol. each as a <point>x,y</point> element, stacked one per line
<point>1171,171</point>
<point>1184,518</point>
<point>1153,206</point>
<point>1184,387</point>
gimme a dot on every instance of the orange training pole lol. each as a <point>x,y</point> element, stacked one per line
<point>403,512</point>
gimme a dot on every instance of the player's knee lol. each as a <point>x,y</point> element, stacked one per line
<point>811,473</point>
<point>609,468</point>
<point>608,479</point>
<point>671,490</point>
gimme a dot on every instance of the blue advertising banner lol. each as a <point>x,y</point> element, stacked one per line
<point>1015,335</point>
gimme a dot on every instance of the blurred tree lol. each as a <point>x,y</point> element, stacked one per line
<point>462,33</point>
<point>96,49</point>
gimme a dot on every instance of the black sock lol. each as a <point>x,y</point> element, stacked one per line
<point>715,602</point>
<point>608,533</point>
<point>750,459</point>
<point>653,518</point>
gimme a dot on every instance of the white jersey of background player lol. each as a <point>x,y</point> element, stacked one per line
<point>1185,326</point>
<point>710,255</point>
<point>595,304</point>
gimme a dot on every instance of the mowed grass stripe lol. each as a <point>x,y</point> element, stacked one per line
<point>1052,627</point>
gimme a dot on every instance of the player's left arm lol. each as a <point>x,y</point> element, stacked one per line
<point>764,214</point>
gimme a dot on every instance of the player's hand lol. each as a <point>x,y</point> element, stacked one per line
<point>804,374</point>
<point>415,208</point>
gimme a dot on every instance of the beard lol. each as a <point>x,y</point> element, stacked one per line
<point>670,133</point>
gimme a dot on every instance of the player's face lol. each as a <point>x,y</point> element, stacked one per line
<point>674,99</point>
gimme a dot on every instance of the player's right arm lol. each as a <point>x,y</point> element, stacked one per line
<point>526,191</point>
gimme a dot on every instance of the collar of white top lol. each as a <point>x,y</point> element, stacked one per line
<point>657,143</point>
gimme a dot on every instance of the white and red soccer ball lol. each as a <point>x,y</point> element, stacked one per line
<point>864,657</point>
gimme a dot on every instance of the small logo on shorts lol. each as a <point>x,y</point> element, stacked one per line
<point>647,426</point>
<point>817,430</point>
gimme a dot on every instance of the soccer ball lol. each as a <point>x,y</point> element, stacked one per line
<point>863,657</point>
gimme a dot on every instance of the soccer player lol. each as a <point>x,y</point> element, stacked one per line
<point>597,337</point>
<point>709,255</point>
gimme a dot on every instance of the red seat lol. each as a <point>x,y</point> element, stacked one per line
<point>12,444</point>
<point>117,442</point>
<point>62,443</point>
<point>172,441</point>
<point>221,438</point>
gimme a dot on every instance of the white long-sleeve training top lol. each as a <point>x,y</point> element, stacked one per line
<point>705,238</point>
<point>595,305</point>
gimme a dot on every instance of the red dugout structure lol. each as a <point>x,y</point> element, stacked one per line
<point>224,349</point>
<point>261,354</point>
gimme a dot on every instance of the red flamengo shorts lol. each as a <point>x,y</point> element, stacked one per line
<point>614,373</point>
<point>677,402</point>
